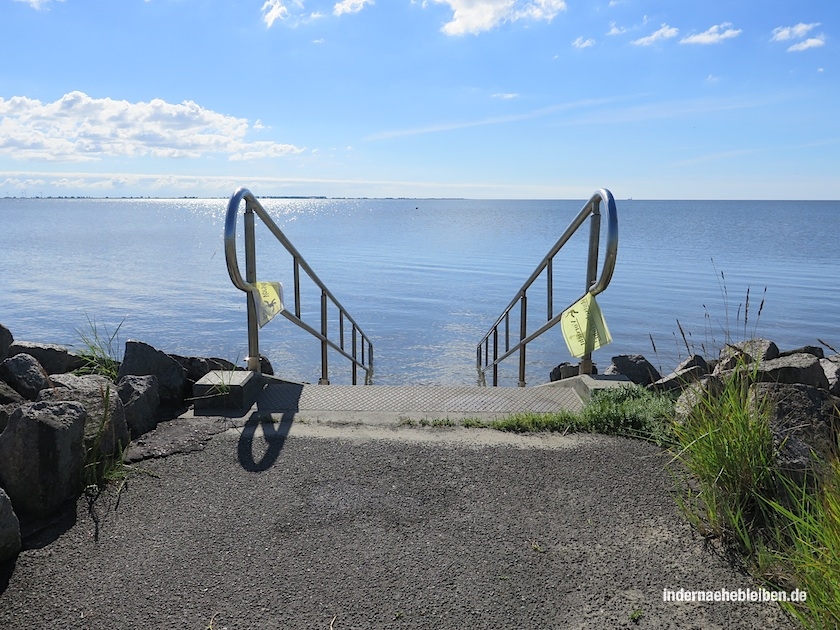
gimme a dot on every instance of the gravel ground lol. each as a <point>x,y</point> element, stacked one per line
<point>371,527</point>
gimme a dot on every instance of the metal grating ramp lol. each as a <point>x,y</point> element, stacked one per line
<point>381,403</point>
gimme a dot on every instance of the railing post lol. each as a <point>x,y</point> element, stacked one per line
<point>324,380</point>
<point>251,278</point>
<point>354,354</point>
<point>585,365</point>
<point>495,356</point>
<point>523,332</point>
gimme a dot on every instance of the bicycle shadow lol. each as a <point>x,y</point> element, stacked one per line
<point>262,438</point>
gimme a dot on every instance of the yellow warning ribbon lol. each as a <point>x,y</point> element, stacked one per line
<point>583,326</point>
<point>268,300</point>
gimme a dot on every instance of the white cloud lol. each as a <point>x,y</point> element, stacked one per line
<point>350,6</point>
<point>78,128</point>
<point>274,10</point>
<point>714,35</point>
<point>811,42</point>
<point>37,4</point>
<point>784,33</point>
<point>475,16</point>
<point>799,31</point>
<point>505,96</point>
<point>616,30</point>
<point>665,32</point>
<point>583,43</point>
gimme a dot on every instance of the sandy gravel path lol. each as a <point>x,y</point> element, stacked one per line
<point>376,527</point>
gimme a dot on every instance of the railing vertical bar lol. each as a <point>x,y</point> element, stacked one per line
<point>297,287</point>
<point>353,336</point>
<point>495,356</point>
<point>523,332</point>
<point>550,288</point>
<point>341,329</point>
<point>251,278</point>
<point>507,331</point>
<point>324,380</point>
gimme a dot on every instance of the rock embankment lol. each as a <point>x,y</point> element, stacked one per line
<point>801,388</point>
<point>56,417</point>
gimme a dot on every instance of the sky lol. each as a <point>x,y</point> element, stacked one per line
<point>486,99</point>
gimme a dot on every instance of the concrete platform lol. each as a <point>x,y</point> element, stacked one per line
<point>381,404</point>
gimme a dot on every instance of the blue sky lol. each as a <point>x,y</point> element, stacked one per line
<point>437,98</point>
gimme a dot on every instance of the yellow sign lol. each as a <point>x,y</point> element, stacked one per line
<point>583,326</point>
<point>268,300</point>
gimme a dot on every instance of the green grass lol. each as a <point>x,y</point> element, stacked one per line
<point>806,553</point>
<point>786,535</point>
<point>628,410</point>
<point>98,468</point>
<point>727,446</point>
<point>99,349</point>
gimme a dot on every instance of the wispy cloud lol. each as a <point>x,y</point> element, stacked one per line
<point>350,6</point>
<point>664,32</point>
<point>475,16</point>
<point>616,30</point>
<point>274,10</point>
<point>37,4</point>
<point>494,120</point>
<point>505,96</point>
<point>78,128</point>
<point>811,42</point>
<point>580,42</point>
<point>785,33</point>
<point>799,31</point>
<point>714,35</point>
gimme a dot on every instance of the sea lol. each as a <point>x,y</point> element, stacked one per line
<point>424,278</point>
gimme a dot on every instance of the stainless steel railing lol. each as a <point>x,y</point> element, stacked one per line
<point>361,348</point>
<point>593,208</point>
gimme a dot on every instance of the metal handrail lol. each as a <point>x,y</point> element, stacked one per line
<point>592,207</point>
<point>358,338</point>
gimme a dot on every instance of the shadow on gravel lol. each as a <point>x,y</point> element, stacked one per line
<point>270,442</point>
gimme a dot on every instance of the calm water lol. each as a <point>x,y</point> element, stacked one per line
<point>424,278</point>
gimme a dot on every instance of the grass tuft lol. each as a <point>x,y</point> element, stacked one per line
<point>99,349</point>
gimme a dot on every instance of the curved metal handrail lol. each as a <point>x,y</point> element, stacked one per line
<point>591,208</point>
<point>253,207</point>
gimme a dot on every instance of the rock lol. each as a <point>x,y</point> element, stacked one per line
<point>635,367</point>
<point>141,359</point>
<point>697,392</point>
<point>92,391</point>
<point>831,369</point>
<point>795,368</point>
<point>694,360</point>
<point>41,455</point>
<point>141,399</point>
<point>53,358</point>
<point>265,366</point>
<point>815,350</point>
<point>564,370</point>
<point>9,529</point>
<point>199,367</point>
<point>804,421</point>
<point>749,352</point>
<point>679,379</point>
<point>24,374</point>
<point>8,395</point>
<point>6,340</point>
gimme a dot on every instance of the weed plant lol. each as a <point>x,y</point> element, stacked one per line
<point>99,469</point>
<point>808,552</point>
<point>99,349</point>
<point>727,446</point>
